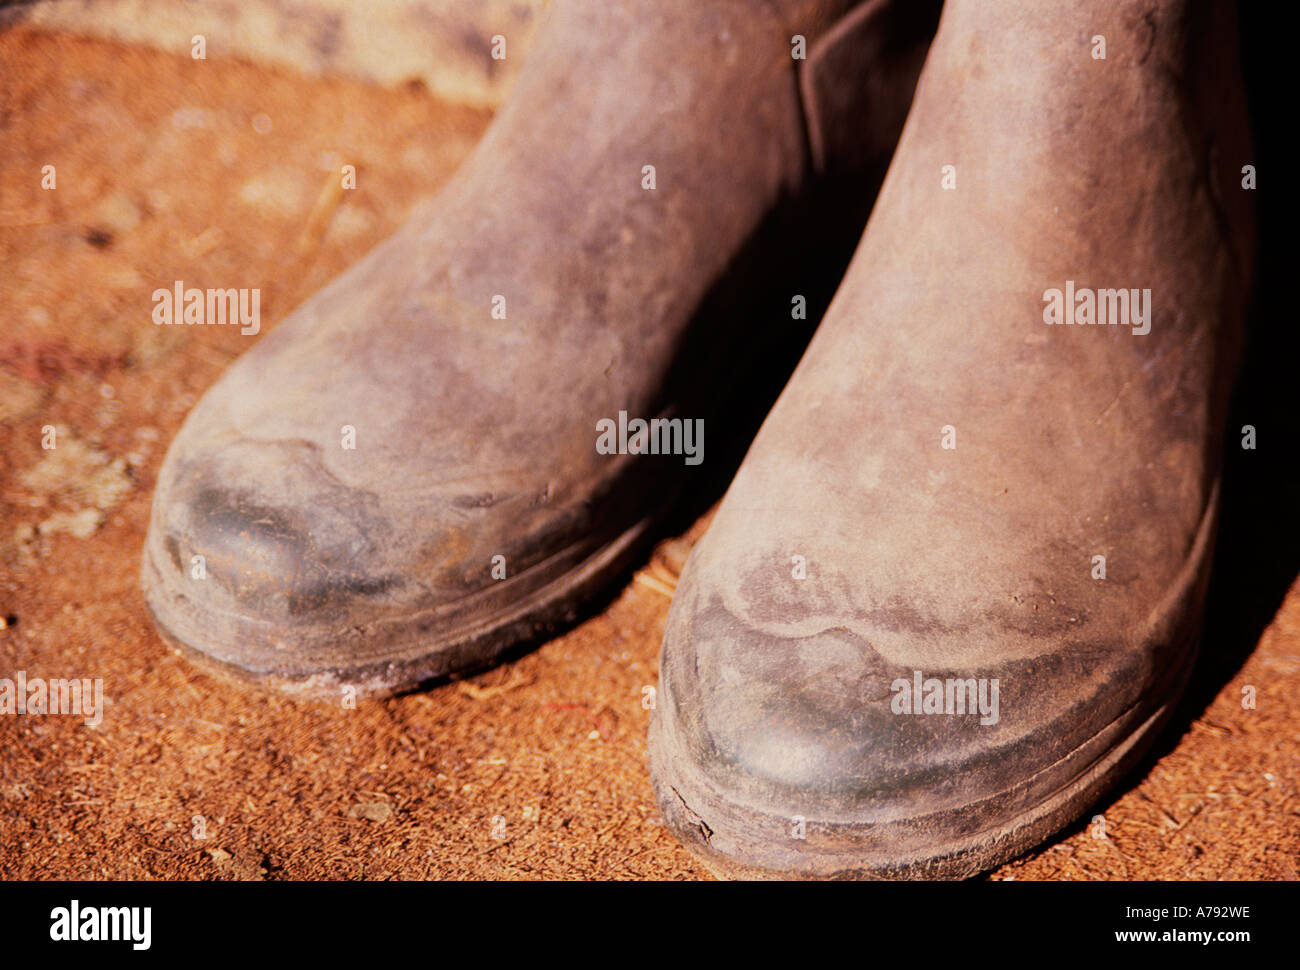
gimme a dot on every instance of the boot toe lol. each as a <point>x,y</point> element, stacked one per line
<point>817,753</point>
<point>252,548</point>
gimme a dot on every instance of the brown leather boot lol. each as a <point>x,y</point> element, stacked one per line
<point>413,472</point>
<point>955,587</point>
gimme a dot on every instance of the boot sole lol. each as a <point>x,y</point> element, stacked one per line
<point>463,649</point>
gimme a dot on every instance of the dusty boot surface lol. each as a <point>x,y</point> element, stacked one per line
<point>956,585</point>
<point>405,478</point>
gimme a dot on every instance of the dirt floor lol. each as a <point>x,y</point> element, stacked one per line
<point>173,169</point>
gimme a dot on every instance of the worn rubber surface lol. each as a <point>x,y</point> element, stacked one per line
<point>738,842</point>
<point>949,490</point>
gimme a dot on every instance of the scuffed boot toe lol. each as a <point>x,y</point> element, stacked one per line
<point>265,574</point>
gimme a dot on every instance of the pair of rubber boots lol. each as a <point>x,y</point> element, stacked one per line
<point>955,585</point>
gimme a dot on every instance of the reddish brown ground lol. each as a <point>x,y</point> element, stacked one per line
<point>161,175</point>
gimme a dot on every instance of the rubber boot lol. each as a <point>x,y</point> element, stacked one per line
<point>412,472</point>
<point>956,586</point>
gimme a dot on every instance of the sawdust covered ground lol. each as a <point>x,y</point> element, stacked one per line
<point>212,172</point>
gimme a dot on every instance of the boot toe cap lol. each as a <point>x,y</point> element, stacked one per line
<point>252,548</point>
<point>762,734</point>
